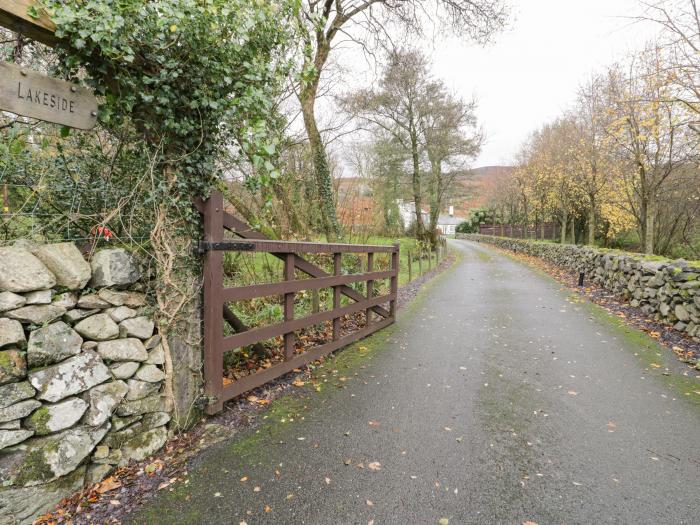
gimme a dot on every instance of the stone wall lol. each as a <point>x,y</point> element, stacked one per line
<point>81,373</point>
<point>669,290</point>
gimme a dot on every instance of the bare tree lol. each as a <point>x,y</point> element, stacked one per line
<point>400,107</point>
<point>452,140</point>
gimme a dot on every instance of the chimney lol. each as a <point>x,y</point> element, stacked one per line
<point>452,211</point>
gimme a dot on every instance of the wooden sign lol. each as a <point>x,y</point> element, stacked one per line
<point>34,95</point>
<point>28,18</point>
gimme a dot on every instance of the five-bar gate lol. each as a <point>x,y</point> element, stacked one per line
<point>216,297</point>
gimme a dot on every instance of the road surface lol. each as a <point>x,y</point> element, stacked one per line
<point>495,399</point>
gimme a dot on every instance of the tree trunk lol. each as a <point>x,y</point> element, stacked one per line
<point>417,197</point>
<point>649,227</point>
<point>564,219</point>
<point>573,230</point>
<point>322,171</point>
<point>591,220</point>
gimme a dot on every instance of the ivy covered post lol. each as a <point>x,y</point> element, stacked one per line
<point>184,83</point>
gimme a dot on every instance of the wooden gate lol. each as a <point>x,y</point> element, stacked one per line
<point>379,311</point>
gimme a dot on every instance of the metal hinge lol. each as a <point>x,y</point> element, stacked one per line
<point>237,246</point>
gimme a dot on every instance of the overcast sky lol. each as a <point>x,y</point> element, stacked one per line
<point>532,72</point>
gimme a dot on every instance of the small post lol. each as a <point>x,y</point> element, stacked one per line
<point>337,268</point>
<point>370,287</point>
<point>394,281</point>
<point>410,266</point>
<point>289,305</point>
<point>581,276</point>
<point>430,258</point>
<point>420,263</point>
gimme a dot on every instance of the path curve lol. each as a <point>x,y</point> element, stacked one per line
<point>495,400</point>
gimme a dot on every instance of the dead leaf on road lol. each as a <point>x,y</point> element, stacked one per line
<point>375,465</point>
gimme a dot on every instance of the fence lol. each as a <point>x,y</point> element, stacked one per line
<point>216,297</point>
<point>548,230</point>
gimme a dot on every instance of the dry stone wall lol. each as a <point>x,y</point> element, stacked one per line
<point>666,289</point>
<point>81,373</point>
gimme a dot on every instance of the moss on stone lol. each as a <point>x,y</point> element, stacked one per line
<point>39,421</point>
<point>35,467</point>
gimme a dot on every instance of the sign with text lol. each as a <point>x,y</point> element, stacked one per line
<point>34,95</point>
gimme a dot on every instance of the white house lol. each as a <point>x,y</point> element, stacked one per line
<point>407,212</point>
<point>447,223</point>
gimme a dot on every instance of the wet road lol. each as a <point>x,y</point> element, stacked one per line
<point>496,398</point>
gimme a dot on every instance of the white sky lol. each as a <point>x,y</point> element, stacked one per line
<point>532,72</point>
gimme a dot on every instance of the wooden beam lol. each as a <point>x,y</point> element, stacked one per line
<point>14,15</point>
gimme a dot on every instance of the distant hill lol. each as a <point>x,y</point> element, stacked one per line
<point>474,189</point>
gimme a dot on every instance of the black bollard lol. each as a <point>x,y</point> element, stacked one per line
<point>580,278</point>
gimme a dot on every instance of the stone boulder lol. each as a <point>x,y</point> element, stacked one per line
<point>140,389</point>
<point>72,376</point>
<point>52,418</point>
<point>78,314</point>
<point>11,333</point>
<point>143,445</point>
<point>12,437</point>
<point>681,313</point>
<point>37,314</point>
<point>44,459</point>
<point>150,374</point>
<point>124,370</point>
<point>67,300</point>
<point>39,297</point>
<point>66,263</point>
<point>156,356</point>
<point>13,366</point>
<point>103,399</point>
<point>98,327</point>
<point>18,410</point>
<point>121,313</point>
<point>92,302</point>
<point>15,392</point>
<point>20,506</point>
<point>122,298</point>
<point>113,267</point>
<point>20,271</point>
<point>11,301</point>
<point>52,343</point>
<point>154,403</point>
<point>140,327</point>
<point>123,350</point>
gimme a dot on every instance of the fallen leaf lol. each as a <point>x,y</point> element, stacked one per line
<point>443,521</point>
<point>374,423</point>
<point>256,489</point>
<point>370,504</point>
<point>244,478</point>
<point>375,465</point>
<point>108,484</point>
<point>115,502</point>
<point>572,393</point>
<point>655,365</point>
<point>328,481</point>
<point>217,494</point>
<point>267,508</point>
<point>298,382</point>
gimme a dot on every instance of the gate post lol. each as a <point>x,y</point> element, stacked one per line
<point>213,304</point>
<point>337,270</point>
<point>394,280</point>
<point>288,305</point>
<point>370,287</point>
